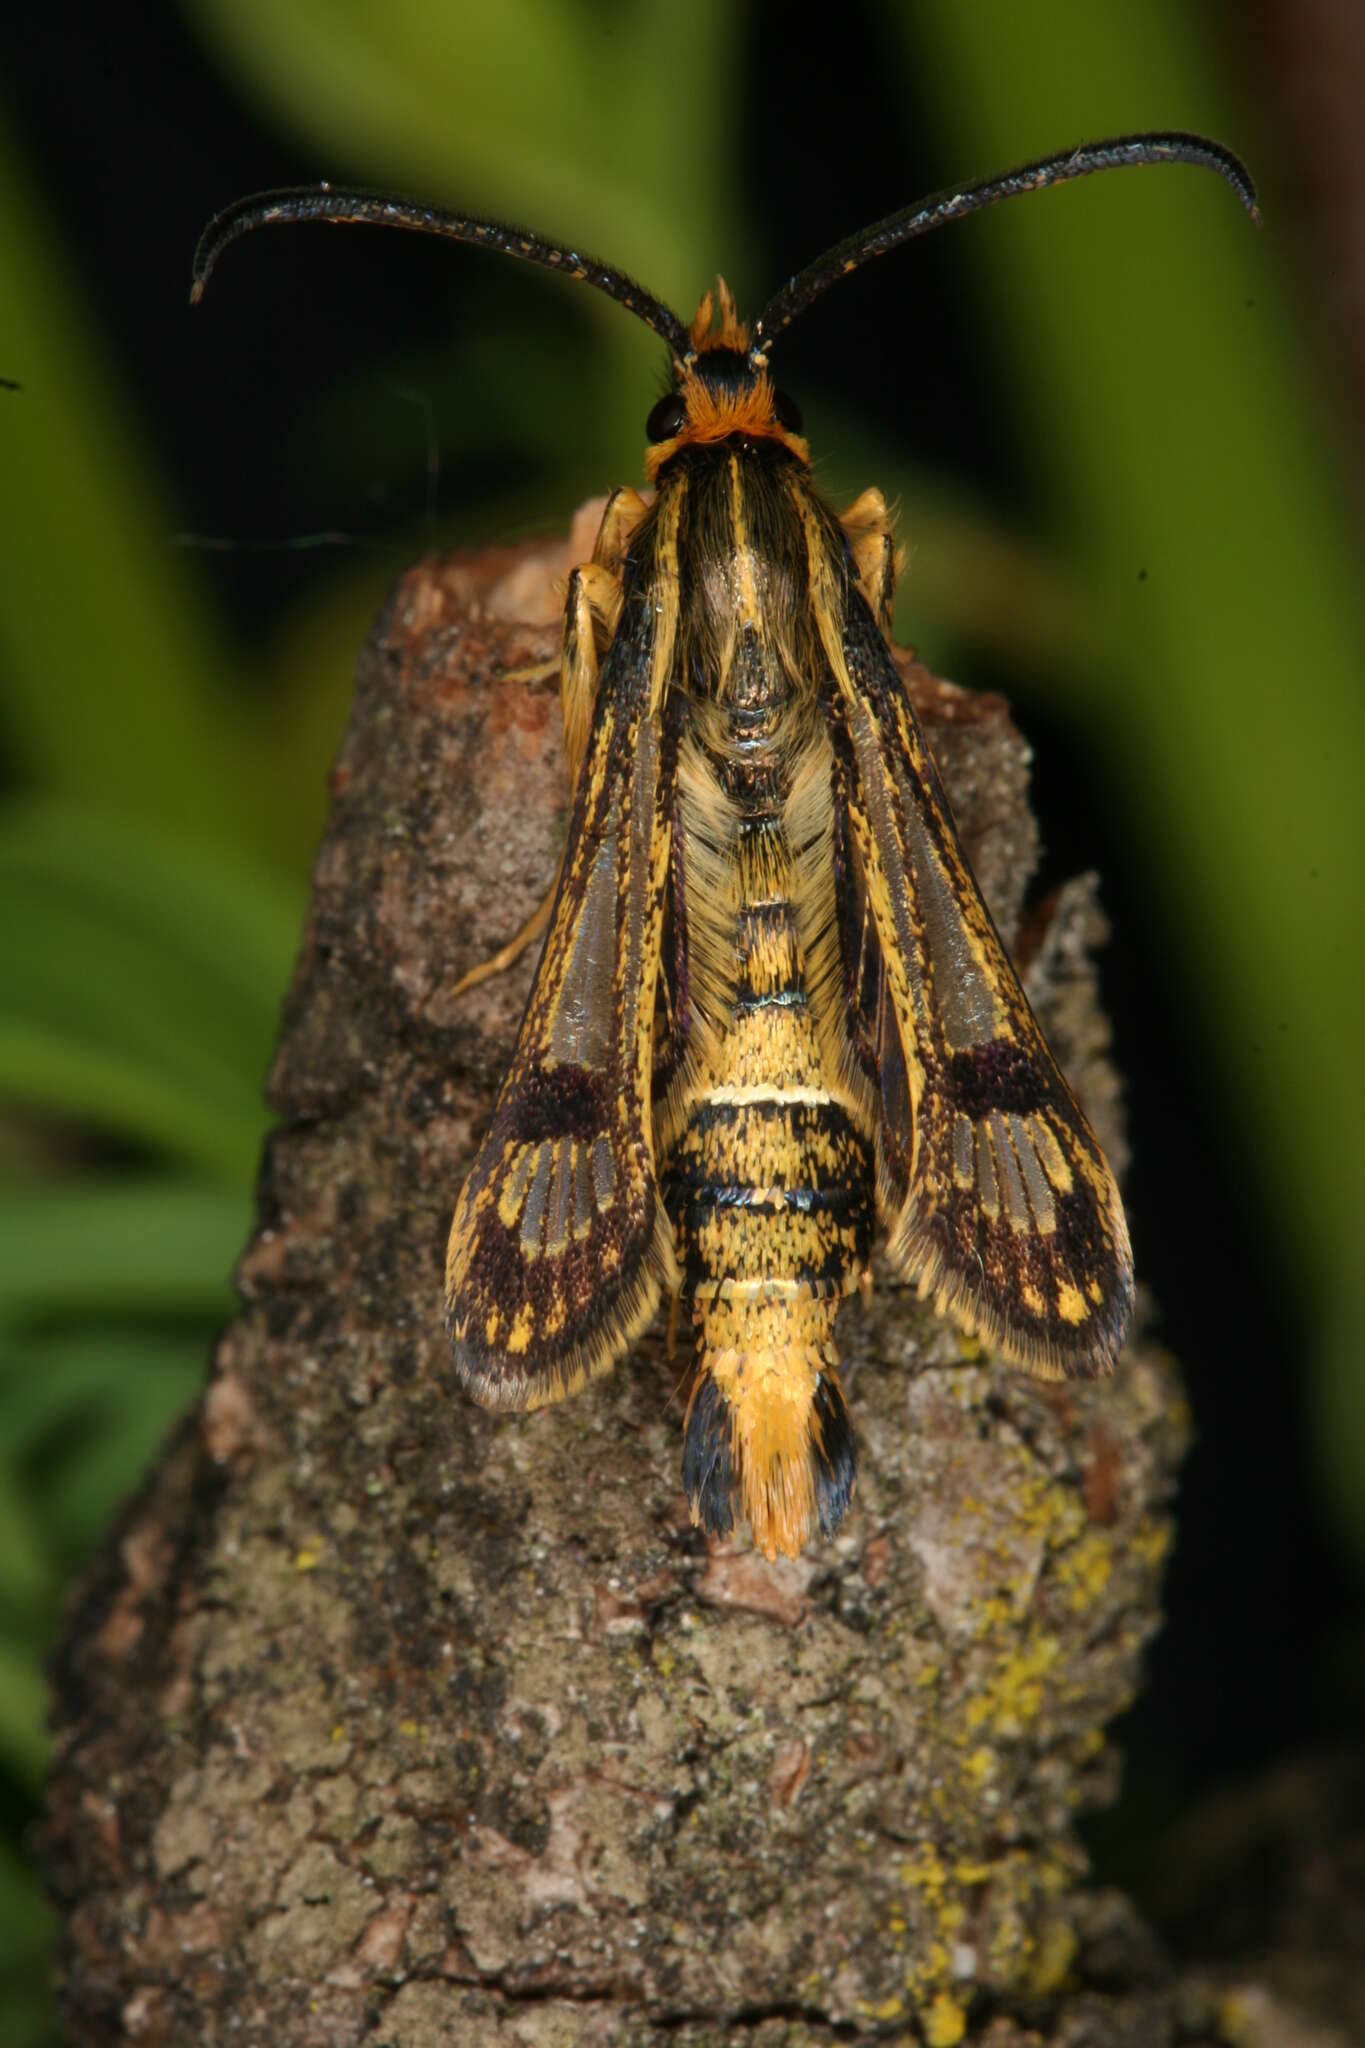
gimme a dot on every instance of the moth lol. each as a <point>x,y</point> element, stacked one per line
<point>773,1014</point>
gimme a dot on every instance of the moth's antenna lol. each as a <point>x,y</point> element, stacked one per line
<point>333,203</point>
<point>924,214</point>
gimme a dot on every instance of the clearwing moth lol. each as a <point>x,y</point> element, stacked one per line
<point>772,1011</point>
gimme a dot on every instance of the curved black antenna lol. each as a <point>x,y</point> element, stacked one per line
<point>799,291</point>
<point>335,203</point>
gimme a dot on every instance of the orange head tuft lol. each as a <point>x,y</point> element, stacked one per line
<point>721,391</point>
<point>732,332</point>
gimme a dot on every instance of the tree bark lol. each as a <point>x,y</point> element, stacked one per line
<point>381,1719</point>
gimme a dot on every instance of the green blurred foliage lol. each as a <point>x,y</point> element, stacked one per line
<point>1235,727</point>
<point>153,853</point>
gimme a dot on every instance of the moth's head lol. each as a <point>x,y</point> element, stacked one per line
<point>721,388</point>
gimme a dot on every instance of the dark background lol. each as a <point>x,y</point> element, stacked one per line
<point>341,403</point>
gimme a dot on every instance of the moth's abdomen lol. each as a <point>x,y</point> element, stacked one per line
<point>768,1185</point>
<point>767,1425</point>
<point>767,1192</point>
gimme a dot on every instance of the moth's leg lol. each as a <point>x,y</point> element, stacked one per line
<point>625,509</point>
<point>592,606</point>
<point>877,559</point>
<point>515,947</point>
<point>537,672</point>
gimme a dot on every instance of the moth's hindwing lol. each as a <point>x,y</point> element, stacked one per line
<point>997,1197</point>
<point>559,1245</point>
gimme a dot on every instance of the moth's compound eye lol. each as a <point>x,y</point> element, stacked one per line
<point>786,412</point>
<point>668,418</point>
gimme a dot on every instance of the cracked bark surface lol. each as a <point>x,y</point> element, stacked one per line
<point>383,1720</point>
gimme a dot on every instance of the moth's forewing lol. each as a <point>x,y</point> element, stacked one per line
<point>559,1246</point>
<point>993,1187</point>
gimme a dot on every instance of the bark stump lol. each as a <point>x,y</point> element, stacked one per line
<point>383,1720</point>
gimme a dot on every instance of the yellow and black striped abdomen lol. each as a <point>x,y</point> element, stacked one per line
<point>769,1187</point>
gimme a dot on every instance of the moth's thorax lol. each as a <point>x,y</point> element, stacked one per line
<point>747,520</point>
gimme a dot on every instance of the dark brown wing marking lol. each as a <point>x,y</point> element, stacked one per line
<point>559,1246</point>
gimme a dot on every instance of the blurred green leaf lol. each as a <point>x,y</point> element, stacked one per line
<point>139,983</point>
<point>163,1245</point>
<point>1169,401</point>
<point>47,1381</point>
<point>29,2019</point>
<point>89,1407</point>
<point>92,589</point>
<point>575,118</point>
<point>226,919</point>
<point>27,1572</point>
<point>105,1469</point>
<point>59,1077</point>
<point>23,1708</point>
<point>119,694</point>
<point>26,1928</point>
